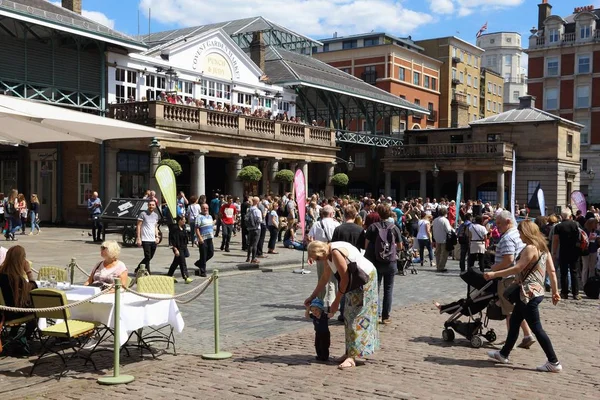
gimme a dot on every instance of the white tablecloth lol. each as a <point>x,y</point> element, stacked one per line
<point>136,312</point>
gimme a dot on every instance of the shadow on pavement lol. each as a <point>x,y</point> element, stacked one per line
<point>286,306</point>
<point>478,363</point>
<point>282,360</point>
<point>432,341</point>
<point>286,318</point>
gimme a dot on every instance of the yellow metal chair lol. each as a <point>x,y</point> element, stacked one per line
<point>8,325</point>
<point>156,284</point>
<point>46,272</point>
<point>70,329</point>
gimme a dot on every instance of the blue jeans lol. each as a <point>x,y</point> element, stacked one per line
<point>293,243</point>
<point>33,218</point>
<point>529,312</point>
<point>425,244</point>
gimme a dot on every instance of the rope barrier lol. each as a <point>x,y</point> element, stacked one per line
<point>58,308</point>
<point>204,285</point>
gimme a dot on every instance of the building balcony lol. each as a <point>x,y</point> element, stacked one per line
<point>455,82</point>
<point>565,39</point>
<point>460,98</point>
<point>456,60</point>
<point>194,120</point>
<point>499,151</point>
<point>518,80</point>
<point>568,37</point>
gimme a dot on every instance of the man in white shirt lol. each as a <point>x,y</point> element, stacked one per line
<point>441,228</point>
<point>323,231</point>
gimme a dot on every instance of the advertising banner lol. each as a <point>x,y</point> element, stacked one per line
<point>299,188</point>
<point>166,181</point>
<point>578,200</point>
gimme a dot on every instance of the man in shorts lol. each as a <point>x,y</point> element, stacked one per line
<point>507,250</point>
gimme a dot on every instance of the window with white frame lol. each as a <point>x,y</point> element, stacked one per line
<point>360,160</point>
<point>489,105</point>
<point>84,183</point>
<point>494,106</point>
<point>500,90</point>
<point>552,66</point>
<point>516,95</point>
<point>584,136</point>
<point>126,85</point>
<point>469,80</point>
<point>489,87</point>
<point>583,64</point>
<point>245,99</point>
<point>553,35</point>
<point>585,31</point>
<point>454,52</point>
<point>508,60</point>
<point>495,89</point>
<point>416,78</point>
<point>474,101</point>
<point>433,84</point>
<point>468,99</point>
<point>551,98</point>
<point>583,97</point>
<point>155,84</point>
<point>426,82</point>
<point>453,73</point>
<point>402,74</point>
<point>462,77</point>
<point>475,82</point>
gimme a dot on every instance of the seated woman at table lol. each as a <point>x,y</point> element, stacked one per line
<point>110,268</point>
<point>14,275</point>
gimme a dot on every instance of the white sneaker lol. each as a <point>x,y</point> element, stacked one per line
<point>549,367</point>
<point>496,356</point>
<point>90,344</point>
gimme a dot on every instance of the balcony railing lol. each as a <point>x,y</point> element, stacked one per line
<point>522,80</point>
<point>455,81</point>
<point>166,116</point>
<point>565,38</point>
<point>568,37</point>
<point>459,98</point>
<point>456,60</point>
<point>497,150</point>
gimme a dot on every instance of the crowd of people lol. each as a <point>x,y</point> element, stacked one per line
<point>16,213</point>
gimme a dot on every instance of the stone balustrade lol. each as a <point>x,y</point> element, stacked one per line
<point>451,151</point>
<point>165,115</point>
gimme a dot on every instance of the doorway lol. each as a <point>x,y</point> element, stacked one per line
<point>43,179</point>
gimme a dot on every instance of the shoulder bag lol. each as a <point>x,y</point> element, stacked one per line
<point>513,292</point>
<point>356,276</point>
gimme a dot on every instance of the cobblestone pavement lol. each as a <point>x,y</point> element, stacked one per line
<point>262,324</point>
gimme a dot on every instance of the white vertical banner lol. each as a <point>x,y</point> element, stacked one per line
<point>513,183</point>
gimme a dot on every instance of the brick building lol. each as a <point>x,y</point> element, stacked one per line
<point>564,68</point>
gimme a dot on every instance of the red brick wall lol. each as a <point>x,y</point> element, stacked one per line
<point>596,91</point>
<point>371,60</point>
<point>536,68</point>
<point>568,116</point>
<point>537,90</point>
<point>74,153</point>
<point>567,64</point>
<point>596,61</point>
<point>595,128</point>
<point>566,94</point>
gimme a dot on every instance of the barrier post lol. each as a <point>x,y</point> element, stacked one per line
<point>218,354</point>
<point>116,379</point>
<point>72,270</point>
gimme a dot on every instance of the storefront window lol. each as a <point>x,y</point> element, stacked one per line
<point>133,173</point>
<point>84,182</point>
<point>8,175</point>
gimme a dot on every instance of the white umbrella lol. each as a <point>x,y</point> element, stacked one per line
<point>26,121</point>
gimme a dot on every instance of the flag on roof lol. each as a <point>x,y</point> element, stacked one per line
<point>483,29</point>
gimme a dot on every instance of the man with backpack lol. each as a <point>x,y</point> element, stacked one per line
<point>382,242</point>
<point>463,240</point>
<point>253,221</point>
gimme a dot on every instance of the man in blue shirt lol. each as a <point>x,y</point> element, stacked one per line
<point>94,207</point>
<point>215,207</point>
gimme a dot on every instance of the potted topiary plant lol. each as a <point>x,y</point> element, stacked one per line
<point>284,176</point>
<point>250,174</point>
<point>173,164</point>
<point>340,179</point>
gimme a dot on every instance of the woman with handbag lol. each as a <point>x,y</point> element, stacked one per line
<point>357,279</point>
<point>527,292</point>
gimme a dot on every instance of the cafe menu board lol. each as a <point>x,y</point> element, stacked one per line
<point>126,209</point>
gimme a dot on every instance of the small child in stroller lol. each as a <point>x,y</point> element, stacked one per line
<point>408,257</point>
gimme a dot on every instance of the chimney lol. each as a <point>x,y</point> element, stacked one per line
<point>257,50</point>
<point>73,5</point>
<point>527,101</point>
<point>545,10</point>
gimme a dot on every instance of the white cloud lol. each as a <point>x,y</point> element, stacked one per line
<point>468,7</point>
<point>317,18</point>
<point>441,6</point>
<point>95,16</point>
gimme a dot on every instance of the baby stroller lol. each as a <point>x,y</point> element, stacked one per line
<point>405,258</point>
<point>482,296</point>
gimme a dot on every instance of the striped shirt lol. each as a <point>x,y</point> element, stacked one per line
<point>205,224</point>
<point>510,243</point>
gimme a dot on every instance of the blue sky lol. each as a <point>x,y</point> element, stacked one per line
<point>321,18</point>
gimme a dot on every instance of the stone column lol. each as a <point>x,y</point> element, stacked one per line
<point>198,173</point>
<point>423,184</point>
<point>264,168</point>
<point>274,170</point>
<point>460,178</point>
<point>329,190</point>
<point>500,188</point>
<point>388,184</point>
<point>154,161</point>
<point>236,187</point>
<point>437,189</point>
<point>111,174</point>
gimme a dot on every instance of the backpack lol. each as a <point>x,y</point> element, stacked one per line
<point>385,243</point>
<point>583,242</point>
<point>251,220</point>
<point>451,240</point>
<point>592,287</point>
<point>463,237</point>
